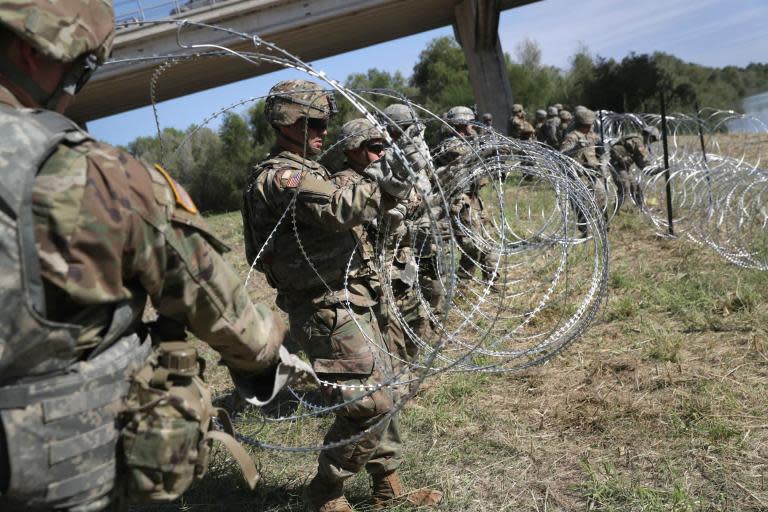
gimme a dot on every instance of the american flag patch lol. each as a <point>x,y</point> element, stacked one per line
<point>294,180</point>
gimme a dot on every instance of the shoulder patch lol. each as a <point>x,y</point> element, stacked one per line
<point>181,195</point>
<point>291,178</point>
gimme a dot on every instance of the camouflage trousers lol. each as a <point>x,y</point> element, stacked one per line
<point>473,216</point>
<point>597,187</point>
<point>627,185</point>
<point>346,347</point>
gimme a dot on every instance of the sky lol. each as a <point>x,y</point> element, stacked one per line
<point>708,32</point>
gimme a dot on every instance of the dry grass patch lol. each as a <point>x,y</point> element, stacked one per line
<point>661,406</point>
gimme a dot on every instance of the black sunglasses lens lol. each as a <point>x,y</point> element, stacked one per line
<point>375,148</point>
<point>318,125</point>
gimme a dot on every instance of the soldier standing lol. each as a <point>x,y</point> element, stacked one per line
<point>324,275</point>
<point>419,247</point>
<point>467,209</point>
<point>519,127</point>
<point>581,144</point>
<point>566,118</point>
<point>89,234</point>
<point>628,150</point>
<point>541,116</point>
<point>548,134</point>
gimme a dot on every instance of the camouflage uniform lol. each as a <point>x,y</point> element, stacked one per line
<point>583,148</point>
<point>519,127</point>
<point>108,233</point>
<point>629,149</point>
<point>321,264</point>
<point>111,230</point>
<point>467,207</point>
<point>564,126</point>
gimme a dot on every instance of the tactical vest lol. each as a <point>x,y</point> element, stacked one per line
<point>59,414</point>
<point>284,260</point>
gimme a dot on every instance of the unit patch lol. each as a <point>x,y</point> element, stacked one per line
<point>181,195</point>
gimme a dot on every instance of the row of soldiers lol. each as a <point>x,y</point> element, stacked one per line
<point>576,136</point>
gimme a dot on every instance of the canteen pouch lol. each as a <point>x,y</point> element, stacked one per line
<point>169,428</point>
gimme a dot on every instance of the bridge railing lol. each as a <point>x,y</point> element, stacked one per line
<point>148,10</point>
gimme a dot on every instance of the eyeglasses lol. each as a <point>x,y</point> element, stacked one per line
<point>375,147</point>
<point>318,125</point>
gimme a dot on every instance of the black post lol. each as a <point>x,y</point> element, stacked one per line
<point>699,124</point>
<point>670,227</point>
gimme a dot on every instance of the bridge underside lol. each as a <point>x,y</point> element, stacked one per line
<point>311,30</point>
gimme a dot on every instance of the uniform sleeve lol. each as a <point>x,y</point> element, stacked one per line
<point>640,155</point>
<point>110,231</point>
<point>324,205</point>
<point>201,291</point>
<point>569,145</point>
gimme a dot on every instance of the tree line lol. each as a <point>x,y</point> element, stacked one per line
<point>213,165</point>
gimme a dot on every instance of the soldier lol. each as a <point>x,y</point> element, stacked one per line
<point>566,118</point>
<point>419,248</point>
<point>541,116</point>
<point>324,275</point>
<point>467,210</point>
<point>581,144</point>
<point>548,133</point>
<point>89,234</point>
<point>558,106</point>
<point>628,150</point>
<point>488,119</point>
<point>518,126</point>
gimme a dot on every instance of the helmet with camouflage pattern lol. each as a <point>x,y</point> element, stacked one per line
<point>291,100</point>
<point>651,132</point>
<point>558,106</point>
<point>565,116</point>
<point>584,116</point>
<point>459,115</point>
<point>400,114</point>
<point>517,108</point>
<point>541,114</point>
<point>552,111</point>
<point>357,131</point>
<point>62,30</point>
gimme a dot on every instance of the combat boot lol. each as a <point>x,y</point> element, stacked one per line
<point>388,488</point>
<point>322,496</point>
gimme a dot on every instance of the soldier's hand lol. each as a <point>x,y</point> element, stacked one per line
<point>259,389</point>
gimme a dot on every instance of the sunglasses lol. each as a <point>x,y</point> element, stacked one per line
<point>79,74</point>
<point>375,147</point>
<point>318,125</point>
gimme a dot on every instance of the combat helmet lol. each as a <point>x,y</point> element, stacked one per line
<point>558,106</point>
<point>291,100</point>
<point>584,117</point>
<point>459,115</point>
<point>64,30</point>
<point>400,114</point>
<point>552,111</point>
<point>565,116</point>
<point>487,117</point>
<point>71,31</point>
<point>357,131</point>
<point>651,132</point>
<point>541,114</point>
<point>517,108</point>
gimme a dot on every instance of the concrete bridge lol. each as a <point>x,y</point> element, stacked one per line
<point>311,29</point>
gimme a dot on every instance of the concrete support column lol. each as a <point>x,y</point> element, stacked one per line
<point>476,27</point>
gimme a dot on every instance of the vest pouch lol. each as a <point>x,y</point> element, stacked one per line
<point>168,434</point>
